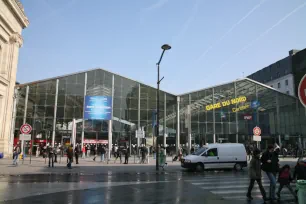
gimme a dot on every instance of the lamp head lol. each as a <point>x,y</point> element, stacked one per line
<point>166,47</point>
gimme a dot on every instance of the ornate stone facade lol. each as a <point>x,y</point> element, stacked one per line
<point>12,22</point>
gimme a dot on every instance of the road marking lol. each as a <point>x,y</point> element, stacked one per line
<point>236,186</point>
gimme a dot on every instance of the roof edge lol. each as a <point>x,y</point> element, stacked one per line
<point>80,72</point>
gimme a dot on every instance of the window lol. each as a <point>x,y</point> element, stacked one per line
<point>278,85</point>
<point>286,82</point>
<point>212,152</point>
<point>288,92</point>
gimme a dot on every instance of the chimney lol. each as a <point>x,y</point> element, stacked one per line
<point>293,52</point>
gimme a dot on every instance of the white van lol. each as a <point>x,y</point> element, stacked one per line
<point>217,156</point>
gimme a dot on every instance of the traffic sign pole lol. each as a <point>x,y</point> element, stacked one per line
<point>25,129</point>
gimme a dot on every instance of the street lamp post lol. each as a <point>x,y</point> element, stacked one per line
<point>164,48</point>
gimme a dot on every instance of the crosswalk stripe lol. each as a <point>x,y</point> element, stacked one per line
<point>255,196</point>
<point>245,181</point>
<point>226,181</point>
<point>235,186</point>
<point>219,192</point>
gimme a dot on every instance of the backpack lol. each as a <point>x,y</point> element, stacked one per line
<point>284,175</point>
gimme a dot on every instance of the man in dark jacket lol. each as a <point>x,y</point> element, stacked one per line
<point>270,165</point>
<point>51,156</point>
<point>300,170</point>
<point>255,175</point>
<point>77,152</point>
<point>126,155</point>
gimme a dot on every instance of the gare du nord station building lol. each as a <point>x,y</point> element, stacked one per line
<point>223,113</point>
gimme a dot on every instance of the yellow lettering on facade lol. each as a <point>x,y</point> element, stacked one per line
<point>227,103</point>
<point>241,108</point>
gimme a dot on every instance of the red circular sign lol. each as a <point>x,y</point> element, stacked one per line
<point>257,131</point>
<point>25,129</point>
<point>302,90</point>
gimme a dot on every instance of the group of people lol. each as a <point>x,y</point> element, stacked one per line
<point>269,163</point>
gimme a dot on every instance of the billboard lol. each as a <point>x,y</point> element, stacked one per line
<point>98,107</point>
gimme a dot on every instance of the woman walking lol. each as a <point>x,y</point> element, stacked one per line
<point>255,175</point>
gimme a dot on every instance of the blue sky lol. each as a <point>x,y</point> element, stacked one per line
<point>212,41</point>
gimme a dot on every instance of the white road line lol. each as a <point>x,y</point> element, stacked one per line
<point>257,196</point>
<point>241,180</point>
<point>255,190</point>
<point>235,186</point>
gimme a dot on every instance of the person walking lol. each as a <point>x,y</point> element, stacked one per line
<point>77,152</point>
<point>95,153</point>
<point>300,170</point>
<point>37,151</point>
<point>126,154</point>
<point>180,153</point>
<point>83,152</point>
<point>270,165</point>
<point>143,154</point>
<point>16,153</point>
<point>255,175</point>
<point>118,155</point>
<point>284,179</point>
<point>102,153</point>
<point>56,151</point>
<point>70,156</point>
<point>51,156</point>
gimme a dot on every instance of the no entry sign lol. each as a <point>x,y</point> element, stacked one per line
<point>257,131</point>
<point>25,129</point>
<point>302,90</point>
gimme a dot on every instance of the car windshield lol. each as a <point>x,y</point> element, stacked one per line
<point>200,151</point>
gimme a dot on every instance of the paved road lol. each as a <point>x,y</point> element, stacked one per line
<point>221,187</point>
<point>231,185</point>
<point>93,182</point>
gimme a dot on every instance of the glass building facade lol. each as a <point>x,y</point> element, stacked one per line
<point>226,113</point>
<point>229,112</point>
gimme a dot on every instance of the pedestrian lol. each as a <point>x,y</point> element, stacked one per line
<point>284,179</point>
<point>51,156</point>
<point>255,175</point>
<point>102,153</point>
<point>69,155</point>
<point>88,151</point>
<point>95,153</point>
<point>270,165</point>
<point>56,151</point>
<point>143,154</point>
<point>83,152</point>
<point>16,153</point>
<point>118,155</point>
<point>300,170</point>
<point>37,151</point>
<point>77,152</point>
<point>180,153</point>
<point>296,150</point>
<point>126,154</point>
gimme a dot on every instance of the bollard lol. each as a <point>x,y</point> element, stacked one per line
<point>301,187</point>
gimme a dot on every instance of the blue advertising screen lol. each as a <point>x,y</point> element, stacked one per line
<point>98,107</point>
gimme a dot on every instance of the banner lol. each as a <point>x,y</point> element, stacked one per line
<point>98,107</point>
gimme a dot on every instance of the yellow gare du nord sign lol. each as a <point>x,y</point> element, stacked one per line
<point>226,103</point>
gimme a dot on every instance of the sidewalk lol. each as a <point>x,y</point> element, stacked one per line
<point>88,166</point>
<point>85,166</point>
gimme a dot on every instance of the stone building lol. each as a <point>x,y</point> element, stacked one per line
<point>12,21</point>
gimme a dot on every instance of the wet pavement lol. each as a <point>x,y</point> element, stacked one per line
<point>220,187</point>
<point>92,182</point>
